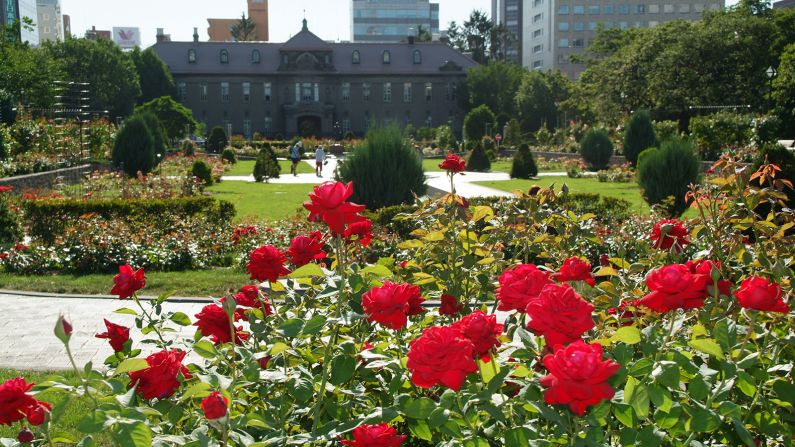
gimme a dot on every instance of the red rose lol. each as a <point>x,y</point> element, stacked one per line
<point>305,249</point>
<point>363,230</point>
<point>453,163</point>
<point>266,264</point>
<point>241,232</point>
<point>128,281</point>
<point>450,305</point>
<point>625,315</point>
<point>263,361</point>
<point>215,405</point>
<point>669,233</point>
<point>4,189</point>
<point>391,304</point>
<point>14,400</point>
<point>25,436</point>
<point>37,414</point>
<point>117,335</point>
<point>674,287</point>
<point>378,435</point>
<point>578,376</point>
<point>213,322</point>
<point>249,296</point>
<point>575,269</point>
<point>761,294</point>
<point>482,330</point>
<point>519,285</point>
<point>560,315</point>
<point>329,203</point>
<point>161,379</point>
<point>706,268</point>
<point>441,356</point>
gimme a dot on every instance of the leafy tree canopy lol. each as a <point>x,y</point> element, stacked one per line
<point>153,74</point>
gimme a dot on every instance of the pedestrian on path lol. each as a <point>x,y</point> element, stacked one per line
<point>320,158</point>
<point>295,157</point>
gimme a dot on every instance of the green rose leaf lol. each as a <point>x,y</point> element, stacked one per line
<point>308,271</point>
<point>628,334</point>
<point>707,346</point>
<point>342,369</point>
<point>131,365</point>
<point>181,319</point>
<point>419,408</point>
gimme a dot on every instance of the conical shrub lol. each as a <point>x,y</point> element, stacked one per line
<point>478,159</point>
<point>524,164</point>
<point>639,136</point>
<point>667,172</point>
<point>267,165</point>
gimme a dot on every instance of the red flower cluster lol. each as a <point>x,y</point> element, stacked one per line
<point>117,335</point>
<point>378,435</point>
<point>520,285</point>
<point>706,268</point>
<point>266,263</point>
<point>450,305</point>
<point>4,189</point>
<point>213,322</point>
<point>761,294</point>
<point>215,405</point>
<point>161,379</point>
<point>243,231</point>
<point>669,233</point>
<point>453,164</point>
<point>441,356</point>
<point>625,315</point>
<point>675,287</point>
<point>249,296</point>
<point>578,376</point>
<point>482,330</point>
<point>575,269</point>
<point>560,315</point>
<point>362,230</point>
<point>329,203</point>
<point>128,281</point>
<point>305,249</point>
<point>392,304</point>
<point>16,403</point>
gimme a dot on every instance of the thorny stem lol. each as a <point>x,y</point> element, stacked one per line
<point>79,375</point>
<point>151,321</point>
<point>472,429</point>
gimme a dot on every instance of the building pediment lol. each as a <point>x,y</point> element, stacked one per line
<point>450,66</point>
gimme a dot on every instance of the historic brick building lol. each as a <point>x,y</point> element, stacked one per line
<point>309,86</point>
<point>220,30</point>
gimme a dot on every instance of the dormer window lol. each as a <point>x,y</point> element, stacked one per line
<point>192,56</point>
<point>285,59</point>
<point>255,57</point>
<point>387,57</point>
<point>357,57</point>
<point>417,57</point>
<point>224,57</point>
<point>327,59</point>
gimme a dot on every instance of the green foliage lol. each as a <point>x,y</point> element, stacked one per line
<point>8,113</point>
<point>668,172</point>
<point>596,148</point>
<point>445,137</point>
<point>774,153</point>
<point>175,118</point>
<point>188,148</point>
<point>9,223</point>
<point>267,165</point>
<point>202,171</point>
<point>539,97</point>
<point>721,131</point>
<point>666,129</point>
<point>494,85</point>
<point>385,170</point>
<point>513,133</point>
<point>134,148</point>
<point>31,70</point>
<point>639,136</point>
<point>244,30</point>
<point>524,164</point>
<point>153,74</point>
<point>477,122</point>
<point>157,132</point>
<point>229,155</point>
<point>3,150</point>
<point>478,160</point>
<point>426,134</point>
<point>217,141</point>
<point>784,91</point>
<point>490,147</point>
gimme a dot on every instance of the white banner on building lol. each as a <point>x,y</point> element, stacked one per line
<point>127,37</point>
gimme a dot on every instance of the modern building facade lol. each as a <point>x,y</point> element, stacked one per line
<point>509,14</point>
<point>50,20</point>
<point>16,10</point>
<point>392,20</point>
<point>307,86</point>
<point>220,30</point>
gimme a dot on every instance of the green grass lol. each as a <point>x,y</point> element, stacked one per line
<point>200,283</point>
<point>246,167</point>
<point>432,165</point>
<point>262,201</point>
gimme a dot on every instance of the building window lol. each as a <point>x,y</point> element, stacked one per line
<point>192,56</point>
<point>356,58</point>
<point>407,93</point>
<point>246,92</point>
<point>428,91</point>
<point>387,92</point>
<point>607,9</point>
<point>346,91</point>
<point>285,59</point>
<point>593,9</point>
<point>641,9</point>
<point>537,49</point>
<point>267,91</point>
<point>429,120</point>
<point>307,92</point>
<point>578,43</point>
<point>698,7</point>
<point>417,57</point>
<point>224,57</point>
<point>367,120</point>
<point>684,8</point>
<point>255,57</point>
<point>225,91</point>
<point>537,18</point>
<point>591,26</point>
<point>203,92</point>
<point>247,128</point>
<point>538,32</point>
<point>654,9</point>
<point>579,26</point>
<point>182,91</point>
<point>537,3</point>
<point>563,43</point>
<point>387,57</point>
<point>563,26</point>
<point>538,64</point>
<point>365,91</point>
<point>346,125</point>
<point>579,9</point>
<point>268,124</point>
<point>563,9</point>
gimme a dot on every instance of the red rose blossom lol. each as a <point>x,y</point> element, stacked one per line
<point>706,267</point>
<point>453,163</point>
<point>266,264</point>
<point>305,249</point>
<point>215,405</point>
<point>117,335</point>
<point>575,269</point>
<point>482,330</point>
<point>37,414</point>
<point>363,230</point>
<point>441,356</point>
<point>761,294</point>
<point>213,322</point>
<point>624,315</point>
<point>519,285</point>
<point>14,400</point>
<point>249,296</point>
<point>560,315</point>
<point>378,435</point>
<point>329,203</point>
<point>25,436</point>
<point>161,379</point>
<point>243,231</point>
<point>669,233</point>
<point>4,189</point>
<point>128,281</point>
<point>391,304</point>
<point>578,376</point>
<point>674,287</point>
<point>450,305</point>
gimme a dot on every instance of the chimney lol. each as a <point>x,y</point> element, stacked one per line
<point>195,35</point>
<point>411,39</point>
<point>160,37</point>
<point>411,36</point>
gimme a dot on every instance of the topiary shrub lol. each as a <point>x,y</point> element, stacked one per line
<point>9,223</point>
<point>524,164</point>
<point>229,155</point>
<point>134,148</point>
<point>668,172</point>
<point>202,171</point>
<point>478,160</point>
<point>157,132</point>
<point>385,170</point>
<point>188,148</point>
<point>596,149</point>
<point>639,136</point>
<point>267,165</point>
<point>217,141</point>
<point>349,136</point>
<point>490,147</point>
<point>477,122</point>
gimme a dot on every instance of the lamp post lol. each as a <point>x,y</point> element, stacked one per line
<point>771,73</point>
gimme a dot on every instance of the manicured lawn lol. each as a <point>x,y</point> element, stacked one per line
<point>262,201</point>
<point>246,167</point>
<point>432,165</point>
<point>200,283</point>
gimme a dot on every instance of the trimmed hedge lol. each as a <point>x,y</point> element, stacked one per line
<point>668,172</point>
<point>596,149</point>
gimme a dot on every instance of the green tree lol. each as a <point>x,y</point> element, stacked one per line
<point>28,74</point>
<point>478,122</point>
<point>134,148</point>
<point>201,170</point>
<point>173,116</point>
<point>524,165</point>
<point>513,133</point>
<point>245,30</point>
<point>267,165</point>
<point>217,141</point>
<point>478,160</point>
<point>668,172</point>
<point>424,34</point>
<point>494,85</point>
<point>153,74</point>
<point>639,136</point>
<point>160,144</point>
<point>535,102</point>
<point>784,91</point>
<point>596,148</point>
<point>8,113</point>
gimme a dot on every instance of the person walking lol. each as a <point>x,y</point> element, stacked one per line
<point>320,158</point>
<point>295,157</point>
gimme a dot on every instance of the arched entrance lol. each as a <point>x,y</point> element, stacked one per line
<point>309,126</point>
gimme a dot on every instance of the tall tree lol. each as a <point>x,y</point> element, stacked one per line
<point>477,33</point>
<point>28,74</point>
<point>500,40</point>
<point>784,91</point>
<point>494,85</point>
<point>245,30</point>
<point>537,100</point>
<point>424,34</point>
<point>173,116</point>
<point>154,76</point>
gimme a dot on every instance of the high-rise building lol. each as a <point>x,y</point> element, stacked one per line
<point>50,20</point>
<point>220,30</point>
<point>392,20</point>
<point>67,26</point>
<point>509,14</point>
<point>16,10</point>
